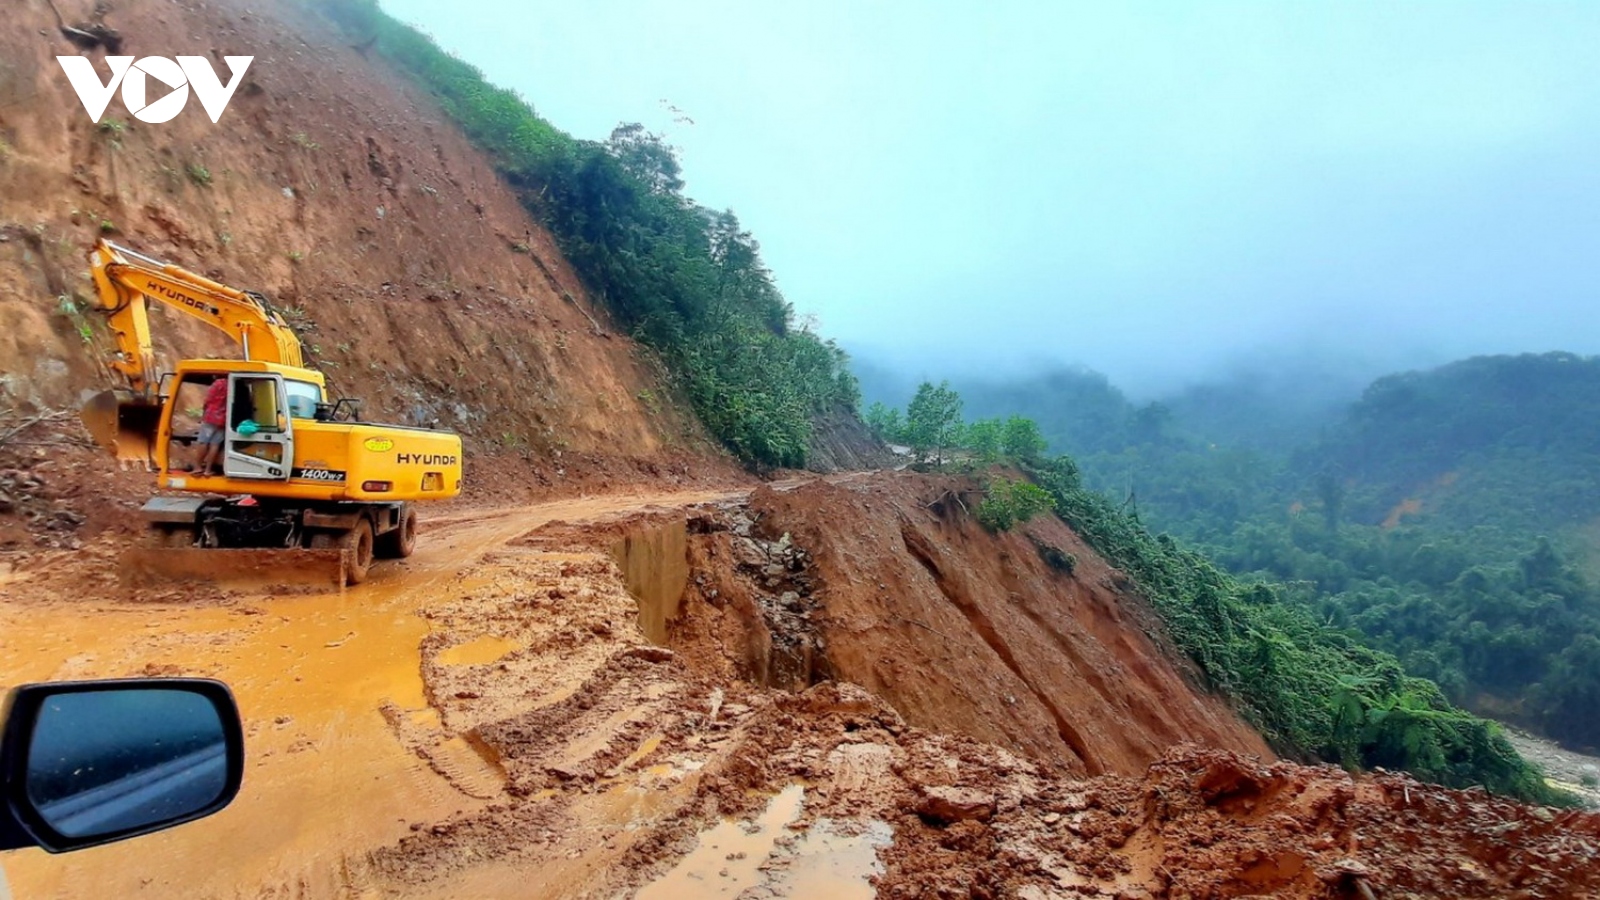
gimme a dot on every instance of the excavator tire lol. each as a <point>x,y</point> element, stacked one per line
<point>402,541</point>
<point>357,544</point>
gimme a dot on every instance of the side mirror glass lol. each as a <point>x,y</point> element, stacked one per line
<point>92,762</point>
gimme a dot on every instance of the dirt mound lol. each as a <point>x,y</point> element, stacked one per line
<point>415,280</point>
<point>56,489</point>
<point>1206,823</point>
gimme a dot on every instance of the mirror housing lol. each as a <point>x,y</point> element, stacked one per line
<point>85,763</point>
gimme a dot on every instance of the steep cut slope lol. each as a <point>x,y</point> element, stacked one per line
<point>417,281</point>
<point>1026,639</point>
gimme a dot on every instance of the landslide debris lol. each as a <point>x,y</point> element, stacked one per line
<point>883,580</point>
<point>550,749</point>
<point>56,489</point>
<point>622,759</point>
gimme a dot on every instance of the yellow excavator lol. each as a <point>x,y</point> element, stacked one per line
<point>302,482</point>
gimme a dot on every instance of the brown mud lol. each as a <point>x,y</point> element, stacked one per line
<point>489,719</point>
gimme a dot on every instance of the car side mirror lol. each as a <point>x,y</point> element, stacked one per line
<point>86,763</point>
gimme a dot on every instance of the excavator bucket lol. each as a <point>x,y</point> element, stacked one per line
<point>123,423</point>
<point>234,568</point>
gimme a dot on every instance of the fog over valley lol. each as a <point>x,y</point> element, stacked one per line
<point>1161,192</point>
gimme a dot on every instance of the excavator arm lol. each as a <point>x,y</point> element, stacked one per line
<point>126,282</point>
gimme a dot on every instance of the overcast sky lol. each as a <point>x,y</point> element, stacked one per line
<point>1151,189</point>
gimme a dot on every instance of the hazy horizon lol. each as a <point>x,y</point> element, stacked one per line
<point>1152,190</point>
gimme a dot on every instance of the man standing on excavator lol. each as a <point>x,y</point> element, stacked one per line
<point>213,419</point>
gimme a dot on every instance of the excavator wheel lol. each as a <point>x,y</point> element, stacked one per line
<point>402,541</point>
<point>357,542</point>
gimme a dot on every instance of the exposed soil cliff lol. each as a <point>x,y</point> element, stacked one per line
<point>1026,639</point>
<point>417,282</point>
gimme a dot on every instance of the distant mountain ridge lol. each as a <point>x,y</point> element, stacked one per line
<point>1488,440</point>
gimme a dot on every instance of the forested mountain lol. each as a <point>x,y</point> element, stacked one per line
<point>1446,513</point>
<point>1505,441</point>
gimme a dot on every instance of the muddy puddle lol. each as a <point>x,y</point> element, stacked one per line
<point>765,857</point>
<point>345,752</point>
<point>479,652</point>
<point>323,767</point>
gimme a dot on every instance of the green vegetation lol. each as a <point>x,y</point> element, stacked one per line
<point>1313,689</point>
<point>113,130</point>
<point>1010,502</point>
<point>684,280</point>
<point>1445,516</point>
<point>198,174</point>
<point>933,420</point>
<point>932,424</point>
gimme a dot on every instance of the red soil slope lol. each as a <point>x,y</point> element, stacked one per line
<point>886,581</point>
<point>416,280</point>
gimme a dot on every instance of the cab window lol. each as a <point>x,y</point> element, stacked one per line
<point>257,400</point>
<point>303,398</point>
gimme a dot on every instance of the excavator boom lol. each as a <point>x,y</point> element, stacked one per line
<point>124,420</point>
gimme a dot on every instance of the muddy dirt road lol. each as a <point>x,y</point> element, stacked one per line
<point>328,684</point>
<point>489,719</point>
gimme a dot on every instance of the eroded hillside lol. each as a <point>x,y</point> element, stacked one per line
<point>416,280</point>
<point>1025,639</point>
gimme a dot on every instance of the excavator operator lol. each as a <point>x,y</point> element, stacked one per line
<point>213,421</point>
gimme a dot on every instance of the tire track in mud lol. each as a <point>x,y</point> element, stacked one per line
<point>348,745</point>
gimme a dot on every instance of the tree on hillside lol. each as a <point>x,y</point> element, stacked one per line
<point>986,439</point>
<point>885,422</point>
<point>646,157</point>
<point>1021,439</point>
<point>1150,423</point>
<point>932,420</point>
<point>1569,697</point>
<point>1330,490</point>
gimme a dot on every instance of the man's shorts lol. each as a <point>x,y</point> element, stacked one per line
<point>210,435</point>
